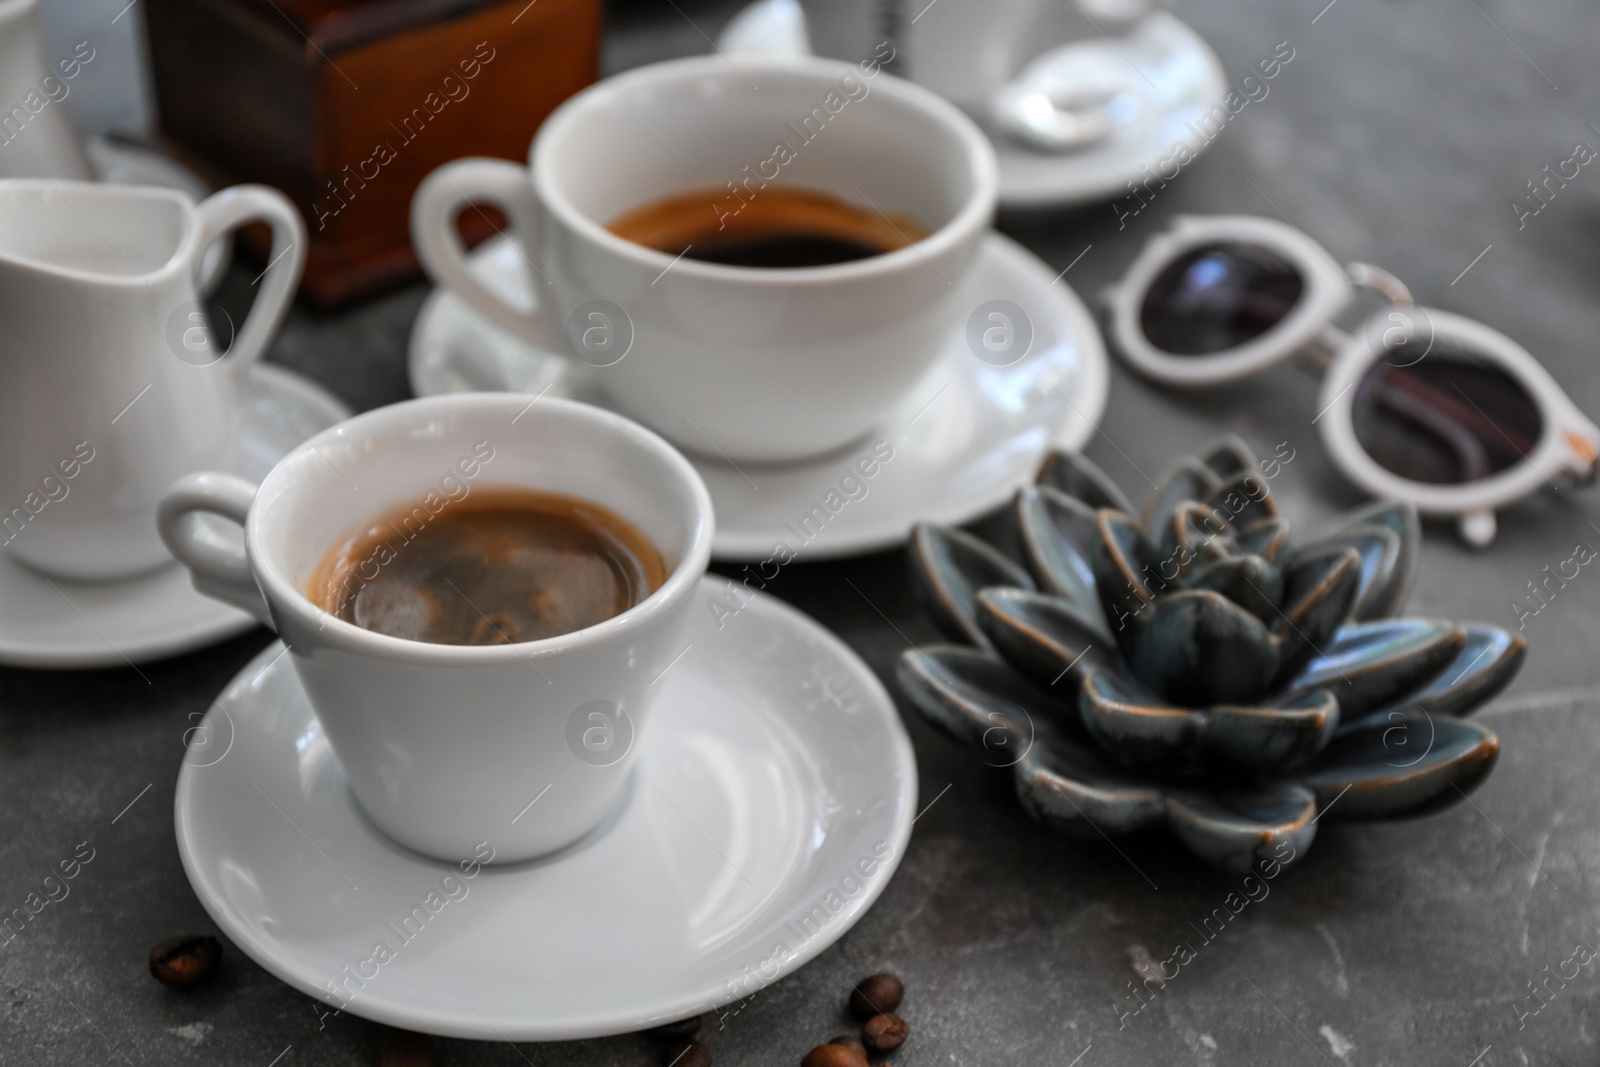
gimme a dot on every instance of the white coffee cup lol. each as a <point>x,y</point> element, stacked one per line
<point>526,746</point>
<point>964,50</point>
<point>751,364</point>
<point>111,381</point>
<point>38,138</point>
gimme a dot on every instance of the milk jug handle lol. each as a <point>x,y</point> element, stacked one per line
<point>235,207</point>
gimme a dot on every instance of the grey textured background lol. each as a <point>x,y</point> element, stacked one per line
<point>1399,134</point>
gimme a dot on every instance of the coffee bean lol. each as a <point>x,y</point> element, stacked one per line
<point>179,962</point>
<point>833,1055</point>
<point>402,1048</point>
<point>875,995</point>
<point>687,1054</point>
<point>678,1033</point>
<point>885,1033</point>
<point>851,1042</point>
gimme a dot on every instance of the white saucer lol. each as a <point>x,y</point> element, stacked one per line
<point>48,622</point>
<point>965,439</point>
<point>122,162</point>
<point>773,763</point>
<point>1181,78</point>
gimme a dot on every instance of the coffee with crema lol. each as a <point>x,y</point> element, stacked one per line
<point>779,226</point>
<point>501,566</point>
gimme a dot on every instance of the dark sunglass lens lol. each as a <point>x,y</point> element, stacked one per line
<point>1219,297</point>
<point>1444,416</point>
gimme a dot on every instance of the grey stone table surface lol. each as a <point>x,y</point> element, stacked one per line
<point>1401,133</point>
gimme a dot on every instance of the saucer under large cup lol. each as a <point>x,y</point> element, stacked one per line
<point>963,441</point>
<point>771,803</point>
<point>49,622</point>
<point>1180,78</point>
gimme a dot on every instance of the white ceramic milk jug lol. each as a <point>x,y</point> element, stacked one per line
<point>112,385</point>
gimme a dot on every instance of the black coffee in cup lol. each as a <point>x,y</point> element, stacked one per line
<point>779,226</point>
<point>501,566</point>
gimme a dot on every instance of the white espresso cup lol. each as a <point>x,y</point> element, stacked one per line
<point>746,363</point>
<point>526,746</point>
<point>112,383</point>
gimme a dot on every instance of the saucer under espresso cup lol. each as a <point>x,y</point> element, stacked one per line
<point>111,385</point>
<point>1160,76</point>
<point>962,442</point>
<point>447,746</point>
<point>749,364</point>
<point>771,803</point>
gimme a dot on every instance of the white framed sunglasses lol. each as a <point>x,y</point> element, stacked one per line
<point>1417,404</point>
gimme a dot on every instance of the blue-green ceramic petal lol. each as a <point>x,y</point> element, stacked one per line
<point>948,567</point>
<point>1058,536</point>
<point>1072,474</point>
<point>1319,592</point>
<point>1193,536</point>
<point>1200,535</point>
<point>1369,666</point>
<point>1126,572</point>
<point>1227,456</point>
<point>1187,481</point>
<point>976,700</point>
<point>1048,639</point>
<point>1269,740</point>
<point>1400,518</point>
<point>1197,648</point>
<point>1244,499</point>
<point>1066,787</point>
<point>1379,548</point>
<point>1267,538</point>
<point>1244,830</point>
<point>1135,728</point>
<point>1488,660</point>
<point>1403,763</point>
<point>1249,581</point>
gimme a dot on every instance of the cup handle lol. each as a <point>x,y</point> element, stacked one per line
<point>218,570</point>
<point>440,198</point>
<point>227,211</point>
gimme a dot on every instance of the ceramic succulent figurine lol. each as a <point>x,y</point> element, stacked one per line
<point>1197,669</point>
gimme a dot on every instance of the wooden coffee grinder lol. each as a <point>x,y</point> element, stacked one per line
<point>346,105</point>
